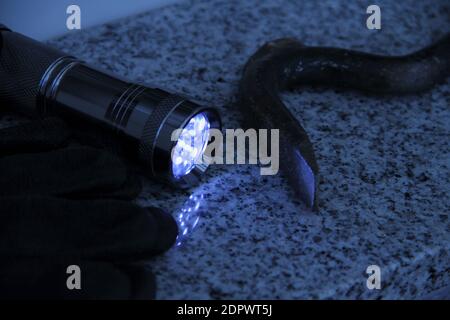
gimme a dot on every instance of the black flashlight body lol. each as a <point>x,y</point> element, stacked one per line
<point>41,81</point>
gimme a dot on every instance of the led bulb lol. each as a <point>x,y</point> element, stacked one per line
<point>190,145</point>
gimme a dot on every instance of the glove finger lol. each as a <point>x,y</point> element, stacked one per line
<point>98,137</point>
<point>36,278</point>
<point>34,136</point>
<point>129,190</point>
<point>70,172</point>
<point>102,229</point>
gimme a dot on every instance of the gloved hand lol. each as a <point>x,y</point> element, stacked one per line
<point>63,204</point>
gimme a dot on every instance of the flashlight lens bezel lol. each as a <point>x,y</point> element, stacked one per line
<point>178,118</point>
<point>190,146</point>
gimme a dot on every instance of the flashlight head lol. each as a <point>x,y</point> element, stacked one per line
<point>175,138</point>
<point>190,145</point>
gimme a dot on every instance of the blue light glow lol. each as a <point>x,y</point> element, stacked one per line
<point>190,145</point>
<point>188,217</point>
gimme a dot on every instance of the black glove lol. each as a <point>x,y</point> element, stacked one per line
<point>65,204</point>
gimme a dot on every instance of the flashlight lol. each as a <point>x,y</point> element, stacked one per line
<point>40,81</point>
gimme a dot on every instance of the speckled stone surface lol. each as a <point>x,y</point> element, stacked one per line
<point>384,160</point>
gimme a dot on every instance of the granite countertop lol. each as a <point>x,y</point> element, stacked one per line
<point>384,160</point>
